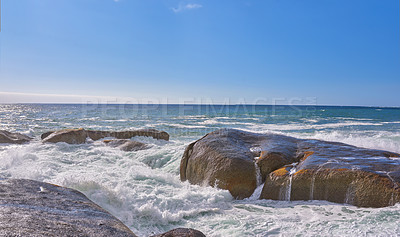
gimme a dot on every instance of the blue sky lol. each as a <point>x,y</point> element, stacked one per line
<point>335,52</point>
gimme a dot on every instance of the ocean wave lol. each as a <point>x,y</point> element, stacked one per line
<point>179,125</point>
<point>378,140</point>
<point>294,126</point>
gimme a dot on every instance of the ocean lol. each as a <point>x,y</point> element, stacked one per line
<point>143,188</point>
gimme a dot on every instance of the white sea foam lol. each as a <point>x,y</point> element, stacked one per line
<point>379,140</point>
<point>144,191</point>
<point>209,121</point>
<point>179,125</point>
<point>393,122</point>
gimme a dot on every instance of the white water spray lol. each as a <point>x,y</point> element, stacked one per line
<point>257,192</point>
<point>258,174</point>
<point>289,188</point>
<point>312,188</point>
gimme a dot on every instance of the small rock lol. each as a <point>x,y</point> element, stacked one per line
<point>127,145</point>
<point>13,138</point>
<point>181,232</point>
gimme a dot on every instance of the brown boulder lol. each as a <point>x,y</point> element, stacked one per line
<point>181,232</point>
<point>70,136</point>
<point>225,159</point>
<point>339,173</point>
<point>13,138</point>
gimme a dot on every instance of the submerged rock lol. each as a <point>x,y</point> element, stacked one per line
<point>79,136</point>
<point>13,138</point>
<point>127,145</point>
<point>293,169</point>
<point>181,232</point>
<point>32,208</point>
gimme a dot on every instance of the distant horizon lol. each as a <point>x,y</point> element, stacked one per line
<point>186,104</point>
<point>339,53</point>
<point>355,106</point>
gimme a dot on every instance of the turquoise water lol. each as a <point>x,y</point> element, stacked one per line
<point>143,188</point>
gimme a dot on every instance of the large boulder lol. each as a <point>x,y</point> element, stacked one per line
<point>339,173</point>
<point>181,232</point>
<point>292,169</point>
<point>13,138</point>
<point>79,136</point>
<point>226,159</point>
<point>32,208</point>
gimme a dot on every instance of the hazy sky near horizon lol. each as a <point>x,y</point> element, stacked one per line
<point>334,52</point>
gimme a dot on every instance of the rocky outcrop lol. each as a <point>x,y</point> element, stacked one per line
<point>96,135</point>
<point>293,169</point>
<point>32,208</point>
<point>181,232</point>
<point>127,145</point>
<point>79,136</point>
<point>13,138</point>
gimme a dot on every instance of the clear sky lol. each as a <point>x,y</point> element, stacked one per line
<point>335,52</point>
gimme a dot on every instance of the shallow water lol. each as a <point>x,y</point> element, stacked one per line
<point>143,188</point>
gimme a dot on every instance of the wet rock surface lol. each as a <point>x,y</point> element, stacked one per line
<point>221,159</point>
<point>225,159</point>
<point>339,173</point>
<point>13,138</point>
<point>32,208</point>
<point>127,145</point>
<point>79,136</point>
<point>293,169</point>
<point>70,136</point>
<point>181,232</point>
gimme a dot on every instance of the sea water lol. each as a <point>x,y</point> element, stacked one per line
<point>143,189</point>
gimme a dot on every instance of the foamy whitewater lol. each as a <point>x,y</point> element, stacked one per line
<point>143,189</point>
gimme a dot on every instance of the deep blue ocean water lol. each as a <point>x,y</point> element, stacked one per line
<point>143,188</point>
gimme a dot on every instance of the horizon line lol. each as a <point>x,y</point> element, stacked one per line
<point>217,104</point>
<point>26,98</point>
